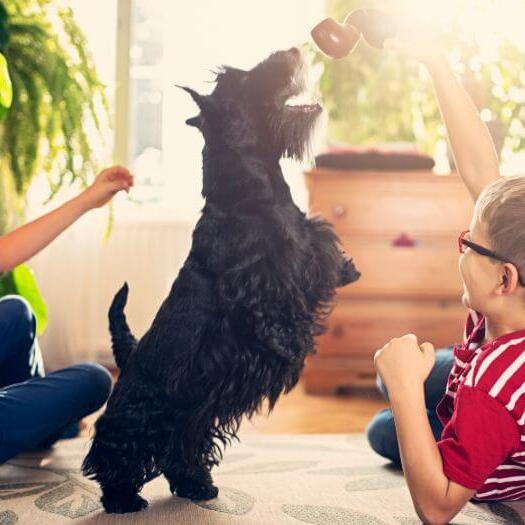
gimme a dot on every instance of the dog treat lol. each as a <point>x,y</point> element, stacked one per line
<point>241,316</point>
<point>335,40</point>
<point>339,40</point>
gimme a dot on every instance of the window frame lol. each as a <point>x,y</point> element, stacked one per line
<point>123,84</point>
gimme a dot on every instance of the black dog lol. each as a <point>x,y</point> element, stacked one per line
<point>241,316</point>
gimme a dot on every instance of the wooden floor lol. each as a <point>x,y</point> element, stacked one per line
<point>299,413</point>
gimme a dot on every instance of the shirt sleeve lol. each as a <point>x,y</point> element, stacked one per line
<point>478,438</point>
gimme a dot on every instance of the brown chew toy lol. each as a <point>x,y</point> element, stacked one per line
<point>338,40</point>
<point>334,39</point>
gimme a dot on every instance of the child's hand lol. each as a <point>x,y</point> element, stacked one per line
<point>419,44</point>
<point>403,362</point>
<point>106,185</point>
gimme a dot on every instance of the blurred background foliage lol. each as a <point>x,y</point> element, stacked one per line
<point>374,96</point>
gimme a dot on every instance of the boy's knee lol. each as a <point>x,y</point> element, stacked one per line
<point>382,437</point>
<point>18,312</point>
<point>97,383</point>
<point>375,431</point>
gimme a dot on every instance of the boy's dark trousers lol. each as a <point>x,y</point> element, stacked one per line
<point>35,409</point>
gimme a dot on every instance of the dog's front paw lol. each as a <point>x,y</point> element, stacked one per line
<point>123,503</point>
<point>196,491</point>
<point>349,273</point>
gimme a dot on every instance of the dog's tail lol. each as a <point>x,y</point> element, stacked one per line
<point>123,340</point>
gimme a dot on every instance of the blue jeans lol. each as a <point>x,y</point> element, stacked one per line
<point>35,409</point>
<point>381,431</point>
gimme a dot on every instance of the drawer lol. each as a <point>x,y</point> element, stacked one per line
<point>361,327</point>
<point>389,203</point>
<point>427,270</point>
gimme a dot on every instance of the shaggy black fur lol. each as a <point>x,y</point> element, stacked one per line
<point>241,316</point>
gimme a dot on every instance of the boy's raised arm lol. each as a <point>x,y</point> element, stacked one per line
<point>472,146</point>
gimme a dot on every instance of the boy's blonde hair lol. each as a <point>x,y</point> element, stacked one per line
<point>501,209</point>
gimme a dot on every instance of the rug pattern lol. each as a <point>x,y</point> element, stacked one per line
<point>316,479</point>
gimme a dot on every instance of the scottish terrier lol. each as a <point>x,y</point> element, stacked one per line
<point>241,316</point>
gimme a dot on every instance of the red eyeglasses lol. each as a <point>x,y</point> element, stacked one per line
<point>463,244</point>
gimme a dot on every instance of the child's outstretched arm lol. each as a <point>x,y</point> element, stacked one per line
<point>25,242</point>
<point>472,146</point>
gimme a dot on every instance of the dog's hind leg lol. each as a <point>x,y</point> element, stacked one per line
<point>188,470</point>
<point>194,483</point>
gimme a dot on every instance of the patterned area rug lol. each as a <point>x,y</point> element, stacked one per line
<point>266,480</point>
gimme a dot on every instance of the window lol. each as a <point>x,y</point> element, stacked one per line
<point>146,98</point>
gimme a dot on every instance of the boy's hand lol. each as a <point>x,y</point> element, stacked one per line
<point>416,43</point>
<point>403,362</point>
<point>106,185</point>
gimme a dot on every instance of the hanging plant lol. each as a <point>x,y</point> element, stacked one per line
<point>58,103</point>
<point>52,107</point>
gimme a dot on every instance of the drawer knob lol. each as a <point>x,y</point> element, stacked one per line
<point>404,241</point>
<point>338,331</point>
<point>339,211</point>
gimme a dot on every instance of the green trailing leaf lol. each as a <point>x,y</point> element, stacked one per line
<point>6,88</point>
<point>26,286</point>
<point>110,223</point>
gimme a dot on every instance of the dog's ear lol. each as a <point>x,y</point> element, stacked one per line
<point>203,101</point>
<point>195,122</point>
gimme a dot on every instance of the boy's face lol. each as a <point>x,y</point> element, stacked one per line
<point>480,274</point>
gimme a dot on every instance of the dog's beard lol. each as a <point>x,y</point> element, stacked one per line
<point>293,131</point>
<point>295,124</point>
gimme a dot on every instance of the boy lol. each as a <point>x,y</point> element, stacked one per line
<point>481,452</point>
<point>36,410</point>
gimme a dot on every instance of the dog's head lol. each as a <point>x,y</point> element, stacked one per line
<point>252,110</point>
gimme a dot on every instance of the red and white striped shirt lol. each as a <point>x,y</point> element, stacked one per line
<point>483,413</point>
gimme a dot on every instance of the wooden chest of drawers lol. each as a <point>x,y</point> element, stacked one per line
<point>401,228</point>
